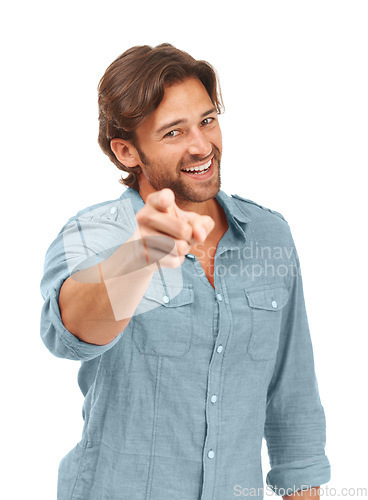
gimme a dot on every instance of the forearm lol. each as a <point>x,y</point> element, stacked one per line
<point>96,303</point>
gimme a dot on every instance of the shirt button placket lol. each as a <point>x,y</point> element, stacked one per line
<point>213,401</point>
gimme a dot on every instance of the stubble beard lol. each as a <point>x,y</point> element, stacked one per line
<point>184,193</point>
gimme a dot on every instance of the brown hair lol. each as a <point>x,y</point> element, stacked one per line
<point>133,87</point>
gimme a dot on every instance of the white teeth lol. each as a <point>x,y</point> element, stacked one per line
<point>198,169</point>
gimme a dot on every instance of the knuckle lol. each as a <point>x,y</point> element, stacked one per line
<point>150,219</point>
<point>181,247</point>
<point>207,220</point>
<point>142,217</point>
<point>184,230</point>
<point>150,197</point>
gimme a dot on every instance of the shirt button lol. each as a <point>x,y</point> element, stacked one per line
<point>211,454</point>
<point>166,299</point>
<point>190,255</point>
<point>112,210</point>
<point>219,297</point>
<point>219,349</point>
<point>213,398</point>
<point>274,304</point>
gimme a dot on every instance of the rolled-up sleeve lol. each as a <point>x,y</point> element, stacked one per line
<point>295,426</point>
<point>81,243</point>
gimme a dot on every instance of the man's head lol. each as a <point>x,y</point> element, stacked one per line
<point>146,88</point>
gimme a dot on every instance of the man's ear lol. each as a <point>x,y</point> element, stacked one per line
<point>125,152</point>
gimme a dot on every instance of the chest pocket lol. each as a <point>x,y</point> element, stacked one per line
<point>167,328</point>
<point>265,305</point>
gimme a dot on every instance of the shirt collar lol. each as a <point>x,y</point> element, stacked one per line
<point>232,211</point>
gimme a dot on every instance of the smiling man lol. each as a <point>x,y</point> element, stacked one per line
<point>185,307</point>
<point>181,154</point>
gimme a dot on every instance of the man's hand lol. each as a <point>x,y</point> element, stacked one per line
<point>166,232</point>
<point>311,494</point>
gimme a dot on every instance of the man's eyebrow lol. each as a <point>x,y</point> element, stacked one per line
<point>182,120</point>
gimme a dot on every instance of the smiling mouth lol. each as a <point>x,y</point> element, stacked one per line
<point>200,170</point>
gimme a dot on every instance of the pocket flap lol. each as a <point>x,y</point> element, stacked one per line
<point>178,297</point>
<point>270,298</point>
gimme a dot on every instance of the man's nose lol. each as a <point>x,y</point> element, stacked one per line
<point>199,144</point>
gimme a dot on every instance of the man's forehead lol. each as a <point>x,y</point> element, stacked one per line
<point>183,93</point>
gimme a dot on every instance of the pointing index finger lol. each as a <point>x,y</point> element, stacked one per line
<point>161,200</point>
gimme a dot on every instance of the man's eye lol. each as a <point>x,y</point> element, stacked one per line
<point>171,133</point>
<point>207,121</point>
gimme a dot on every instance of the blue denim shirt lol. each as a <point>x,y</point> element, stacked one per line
<point>177,405</point>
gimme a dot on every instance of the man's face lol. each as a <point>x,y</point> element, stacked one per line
<point>182,133</point>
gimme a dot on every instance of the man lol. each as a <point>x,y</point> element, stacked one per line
<point>185,307</point>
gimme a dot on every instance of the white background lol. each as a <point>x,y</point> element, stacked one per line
<point>294,80</point>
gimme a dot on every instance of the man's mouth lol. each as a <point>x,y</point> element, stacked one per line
<point>200,170</point>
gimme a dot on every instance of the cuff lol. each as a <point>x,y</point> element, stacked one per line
<point>286,479</point>
<point>60,341</point>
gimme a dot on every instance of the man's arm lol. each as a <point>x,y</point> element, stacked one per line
<point>97,303</point>
<point>295,426</point>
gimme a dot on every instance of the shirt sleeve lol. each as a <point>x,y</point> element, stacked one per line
<point>295,426</point>
<point>81,243</point>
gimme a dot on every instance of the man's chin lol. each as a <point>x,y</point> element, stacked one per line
<point>185,195</point>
